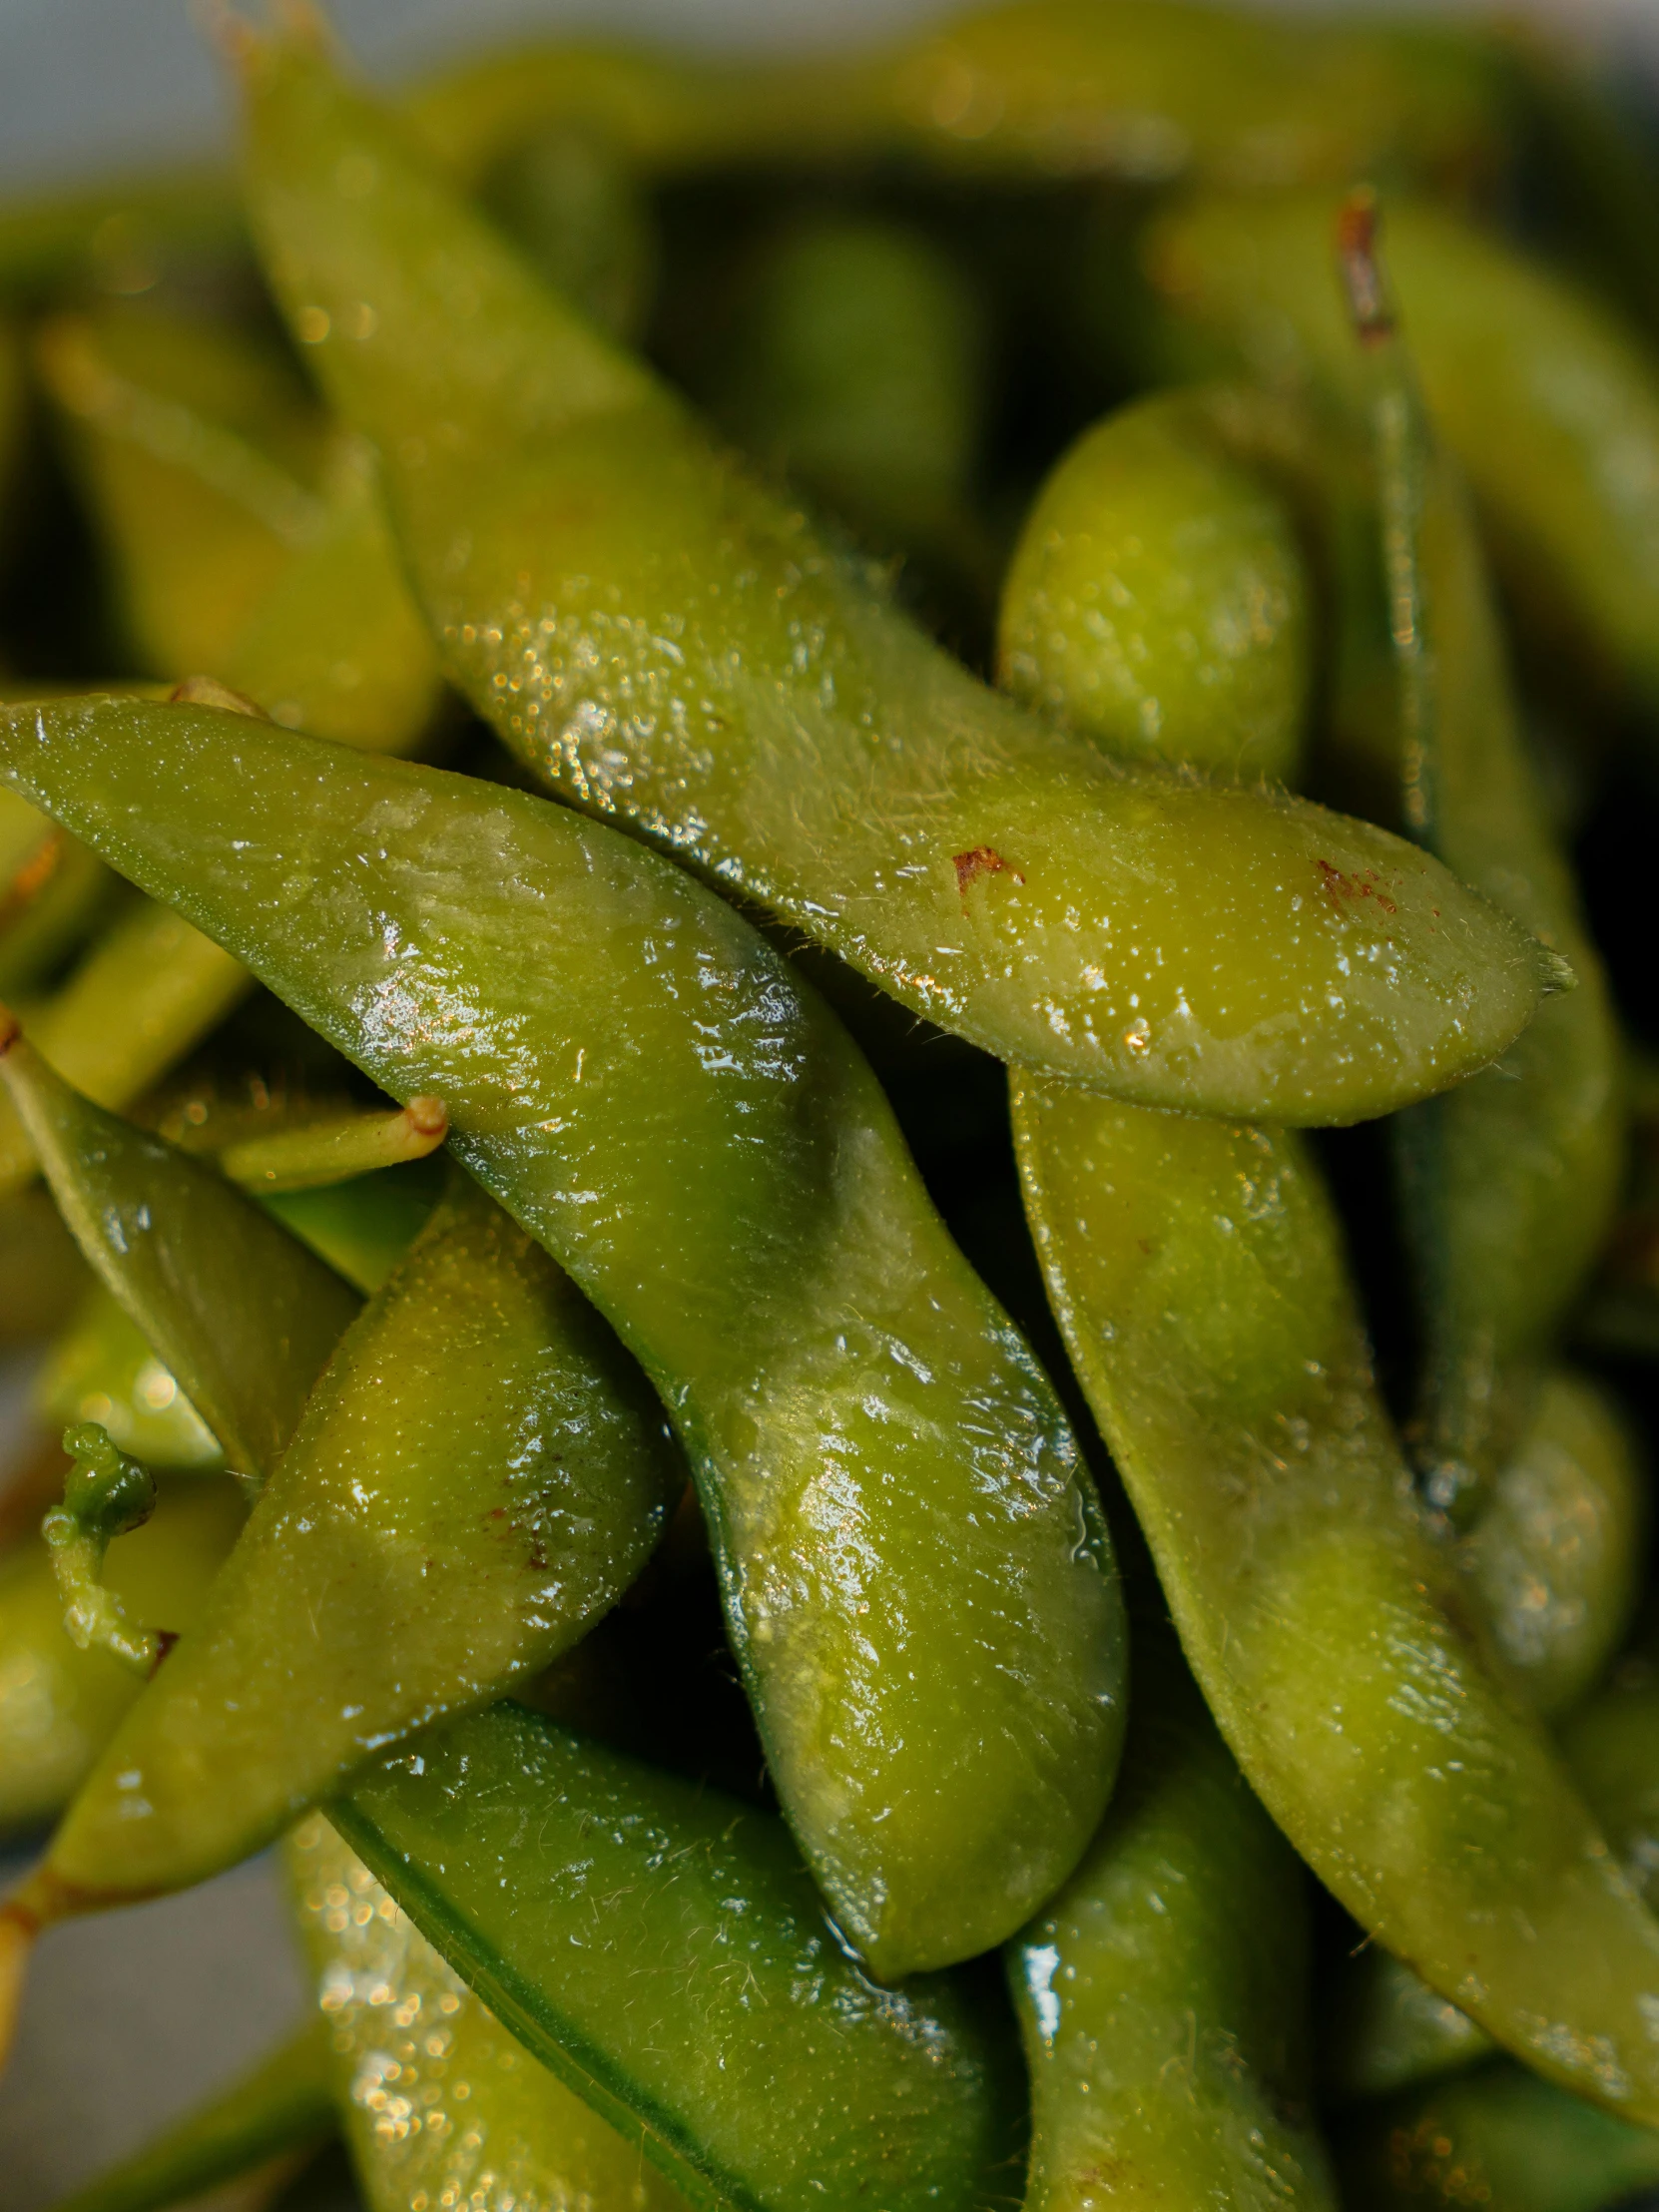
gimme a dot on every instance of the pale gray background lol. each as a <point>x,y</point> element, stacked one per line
<point>131,2017</point>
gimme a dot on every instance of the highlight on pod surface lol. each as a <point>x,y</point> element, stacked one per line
<point>829,1122</point>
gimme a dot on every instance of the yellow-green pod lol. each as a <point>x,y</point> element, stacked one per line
<point>1197,1272</point>
<point>664,640</point>
<point>60,1706</point>
<point>247,543</point>
<point>479,1473</point>
<point>1549,404</point>
<point>1555,1563</point>
<point>1141,90</point>
<point>144,994</point>
<point>1158,600</point>
<point>102,1368</point>
<point>441,2105</point>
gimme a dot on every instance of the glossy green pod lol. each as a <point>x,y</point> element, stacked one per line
<point>1556,1561</point>
<point>754,2063</point>
<point>438,2101</point>
<point>1386,2029</point>
<point>1510,1182</point>
<point>852,359</point>
<point>102,1367</point>
<point>245,544</point>
<point>280,2111</point>
<point>1499,2138</point>
<point>239,1313</point>
<point>1159,600</point>
<point>141,998</point>
<point>856,1407</point>
<point>59,1705</point>
<point>1141,90</point>
<point>1163,1993</point>
<point>660,638</point>
<point>479,1474</point>
<point>1197,1272</point>
<point>1556,427</point>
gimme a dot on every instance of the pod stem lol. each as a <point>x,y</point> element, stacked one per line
<point>106,1494</point>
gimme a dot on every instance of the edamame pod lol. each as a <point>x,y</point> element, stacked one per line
<point>1499,2138</point>
<point>1556,427</point>
<point>478,1475</point>
<point>437,2099</point>
<point>852,359</point>
<point>1163,1993</point>
<point>103,1369</point>
<point>661,639</point>
<point>273,2117</point>
<point>1509,1182</point>
<point>237,1309</point>
<point>1387,2031</point>
<point>143,995</point>
<point>1141,90</point>
<point>60,1706</point>
<point>753,2062</point>
<point>1158,600</point>
<point>1197,1272</point>
<point>692,1135</point>
<point>247,543</point>
<point>1555,1563</point>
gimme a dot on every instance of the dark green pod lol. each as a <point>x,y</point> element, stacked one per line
<point>753,2060</point>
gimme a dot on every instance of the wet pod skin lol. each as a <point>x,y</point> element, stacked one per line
<point>478,1475</point>
<point>753,2062</point>
<point>1163,1993</point>
<point>1574,531</point>
<point>1158,599</point>
<point>660,637</point>
<point>1196,1273</point>
<point>435,2097</point>
<point>647,1087</point>
<point>238,1311</point>
<point>1509,1184</point>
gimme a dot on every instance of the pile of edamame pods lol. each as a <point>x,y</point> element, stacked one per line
<point>823,915</point>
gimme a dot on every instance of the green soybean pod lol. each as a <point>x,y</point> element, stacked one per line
<point>262,2126</point>
<point>1163,1993</point>
<point>661,639</point>
<point>1549,404</point>
<point>435,2097</point>
<point>1158,600</point>
<point>687,1130</point>
<point>477,1476</point>
<point>853,359</point>
<point>1197,1272</point>
<point>755,2064</point>
<point>1496,2138</point>
<point>247,540</point>
<point>1387,2031</point>
<point>1142,91</point>
<point>1511,1184</point>
<point>60,1706</point>
<point>1555,1563</point>
<point>240,1313</point>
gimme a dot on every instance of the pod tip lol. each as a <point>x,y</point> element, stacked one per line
<point>207,691</point>
<point>1357,257</point>
<point>1556,972</point>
